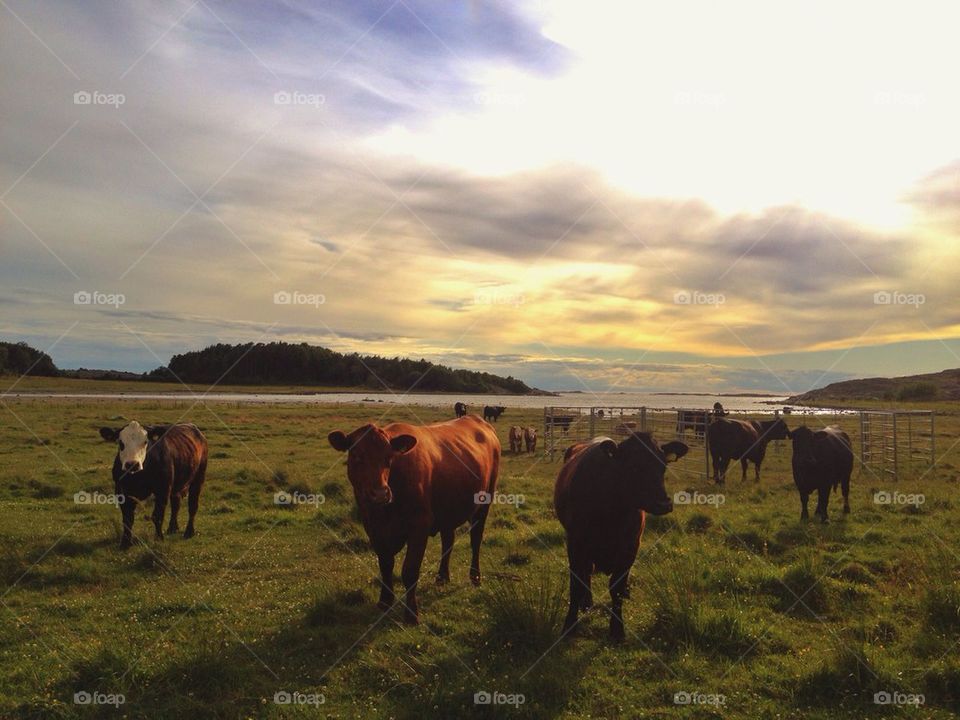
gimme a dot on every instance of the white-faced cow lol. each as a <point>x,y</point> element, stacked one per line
<point>601,496</point>
<point>516,439</point>
<point>822,460</point>
<point>166,461</point>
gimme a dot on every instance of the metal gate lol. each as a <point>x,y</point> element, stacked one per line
<point>897,444</point>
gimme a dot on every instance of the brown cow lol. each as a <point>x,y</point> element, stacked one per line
<point>530,438</point>
<point>412,482</point>
<point>743,440</point>
<point>166,461</point>
<point>516,439</point>
<point>601,496</point>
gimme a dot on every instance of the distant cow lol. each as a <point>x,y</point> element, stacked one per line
<point>741,440</point>
<point>460,409</point>
<point>530,438</point>
<point>166,461</point>
<point>601,496</point>
<point>516,439</point>
<point>561,422</point>
<point>411,482</point>
<point>692,419</point>
<point>821,460</point>
<point>493,412</point>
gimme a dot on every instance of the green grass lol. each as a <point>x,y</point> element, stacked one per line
<point>269,599</point>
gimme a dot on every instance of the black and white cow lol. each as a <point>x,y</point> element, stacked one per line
<point>166,461</point>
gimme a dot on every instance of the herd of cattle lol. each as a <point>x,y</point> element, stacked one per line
<point>411,482</point>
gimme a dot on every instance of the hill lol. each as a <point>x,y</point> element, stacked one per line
<point>21,359</point>
<point>303,364</point>
<point>943,385</point>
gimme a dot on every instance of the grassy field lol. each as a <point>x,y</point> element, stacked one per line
<point>752,612</point>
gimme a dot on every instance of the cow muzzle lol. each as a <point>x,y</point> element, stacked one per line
<point>132,466</point>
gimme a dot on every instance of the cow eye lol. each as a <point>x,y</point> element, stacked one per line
<point>121,446</point>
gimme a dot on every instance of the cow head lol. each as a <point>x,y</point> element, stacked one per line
<point>643,463</point>
<point>370,454</point>
<point>803,450</point>
<point>133,441</point>
<point>776,430</point>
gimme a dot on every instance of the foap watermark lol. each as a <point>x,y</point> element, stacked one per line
<point>95,297</point>
<point>500,99</point>
<point>498,297</point>
<point>886,497</point>
<point>885,697</point>
<point>898,98</point>
<point>699,98</point>
<point>295,297</point>
<point>97,498</point>
<point>498,498</point>
<point>284,697</point>
<point>695,297</point>
<point>487,697</point>
<point>98,698</point>
<point>698,698</point>
<point>298,498</point>
<point>698,498</point>
<point>86,97</point>
<point>885,297</point>
<point>294,97</point>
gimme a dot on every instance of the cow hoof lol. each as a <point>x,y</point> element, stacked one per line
<point>443,579</point>
<point>125,545</point>
<point>173,530</point>
<point>411,619</point>
<point>384,604</point>
<point>189,533</point>
<point>846,511</point>
<point>617,636</point>
<point>475,579</point>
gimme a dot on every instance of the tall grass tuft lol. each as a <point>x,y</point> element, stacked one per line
<point>526,614</point>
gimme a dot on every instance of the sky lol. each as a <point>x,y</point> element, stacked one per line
<point>684,196</point>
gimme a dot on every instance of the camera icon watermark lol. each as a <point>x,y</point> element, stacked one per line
<point>501,99</point>
<point>295,297</point>
<point>887,497</point>
<point>884,697</point>
<point>498,297</point>
<point>86,97</point>
<point>698,498</point>
<point>285,697</point>
<point>84,697</point>
<point>95,297</point>
<point>695,297</point>
<point>98,498</point>
<point>486,697</point>
<point>498,498</point>
<point>885,297</point>
<point>698,698</point>
<point>294,97</point>
<point>298,498</point>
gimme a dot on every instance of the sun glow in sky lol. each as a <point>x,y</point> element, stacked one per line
<point>654,195</point>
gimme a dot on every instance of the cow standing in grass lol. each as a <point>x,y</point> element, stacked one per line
<point>492,413</point>
<point>601,496</point>
<point>822,460</point>
<point>743,440</point>
<point>411,482</point>
<point>516,439</point>
<point>166,461</point>
<point>530,438</point>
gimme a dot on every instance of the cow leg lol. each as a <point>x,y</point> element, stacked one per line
<point>743,468</point>
<point>845,487</point>
<point>823,496</point>
<point>756,471</point>
<point>128,511</point>
<point>804,497</point>
<point>193,503</point>
<point>586,597</point>
<point>174,509</point>
<point>386,581</point>
<point>446,540</point>
<point>579,587</point>
<point>476,537</point>
<point>411,574</point>
<point>618,582</point>
<point>159,509</point>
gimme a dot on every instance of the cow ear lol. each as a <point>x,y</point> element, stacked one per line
<point>609,446</point>
<point>403,443</point>
<point>155,432</point>
<point>674,450</point>
<point>109,434</point>
<point>338,441</point>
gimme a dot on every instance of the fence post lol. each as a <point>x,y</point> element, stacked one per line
<point>896,458</point>
<point>593,428</point>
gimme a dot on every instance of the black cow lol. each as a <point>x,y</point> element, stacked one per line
<point>822,460</point>
<point>601,496</point>
<point>493,412</point>
<point>562,422</point>
<point>695,419</point>
<point>166,461</point>
<point>743,440</point>
<point>460,409</point>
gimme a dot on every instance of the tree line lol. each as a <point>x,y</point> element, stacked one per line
<point>21,359</point>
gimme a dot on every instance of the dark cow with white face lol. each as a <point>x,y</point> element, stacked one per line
<point>166,461</point>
